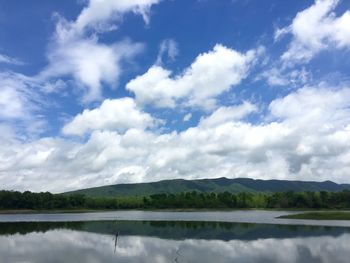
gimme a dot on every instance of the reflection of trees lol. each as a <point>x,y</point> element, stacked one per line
<point>28,227</point>
<point>176,229</point>
<point>115,242</point>
<point>115,238</point>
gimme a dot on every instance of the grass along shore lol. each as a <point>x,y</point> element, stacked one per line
<point>324,215</point>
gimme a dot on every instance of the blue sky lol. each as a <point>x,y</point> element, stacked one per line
<point>97,92</point>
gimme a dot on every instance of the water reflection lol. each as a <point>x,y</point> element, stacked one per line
<point>136,241</point>
<point>177,229</point>
<point>115,242</point>
<point>238,216</point>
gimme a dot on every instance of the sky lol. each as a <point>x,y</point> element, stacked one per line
<point>100,92</point>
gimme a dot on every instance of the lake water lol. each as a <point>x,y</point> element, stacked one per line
<point>237,216</point>
<point>168,237</point>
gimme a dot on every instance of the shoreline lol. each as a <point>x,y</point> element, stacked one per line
<point>319,215</point>
<point>71,211</point>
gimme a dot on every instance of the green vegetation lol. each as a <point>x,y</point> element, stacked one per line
<point>13,200</point>
<point>283,200</point>
<point>187,200</point>
<point>218,185</point>
<point>326,215</point>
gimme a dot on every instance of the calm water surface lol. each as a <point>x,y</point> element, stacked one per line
<point>245,216</point>
<point>171,241</point>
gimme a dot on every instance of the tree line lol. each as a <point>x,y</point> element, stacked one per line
<point>47,201</point>
<point>314,200</point>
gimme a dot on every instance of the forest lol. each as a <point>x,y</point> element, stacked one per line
<point>14,200</point>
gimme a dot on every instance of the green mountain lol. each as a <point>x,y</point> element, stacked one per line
<point>209,185</point>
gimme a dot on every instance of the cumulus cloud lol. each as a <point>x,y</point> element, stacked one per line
<point>302,135</point>
<point>314,106</point>
<point>91,64</point>
<point>320,120</point>
<point>228,113</point>
<point>76,51</point>
<point>118,114</point>
<point>75,56</point>
<point>315,29</point>
<point>305,135</point>
<point>210,75</point>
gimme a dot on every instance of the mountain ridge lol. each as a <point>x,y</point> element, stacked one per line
<point>221,184</point>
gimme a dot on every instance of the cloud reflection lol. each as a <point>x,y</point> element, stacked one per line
<point>75,246</point>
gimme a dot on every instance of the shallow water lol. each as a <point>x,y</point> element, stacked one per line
<point>171,241</point>
<point>240,216</point>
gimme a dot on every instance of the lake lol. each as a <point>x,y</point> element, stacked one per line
<point>136,236</point>
<point>236,216</point>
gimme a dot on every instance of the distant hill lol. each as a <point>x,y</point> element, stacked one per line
<point>210,185</point>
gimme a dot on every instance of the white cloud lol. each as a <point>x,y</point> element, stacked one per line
<point>11,103</point>
<point>280,32</point>
<point>83,245</point>
<point>280,76</point>
<point>118,114</point>
<point>9,60</point>
<point>319,106</point>
<point>76,51</point>
<point>187,117</point>
<point>92,64</point>
<point>100,14</point>
<point>21,101</point>
<point>18,98</point>
<point>305,137</point>
<point>228,113</point>
<point>56,86</point>
<point>169,48</point>
<point>210,75</point>
<point>315,29</point>
<point>274,77</point>
<point>7,134</point>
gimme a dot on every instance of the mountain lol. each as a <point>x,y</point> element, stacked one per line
<point>209,185</point>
